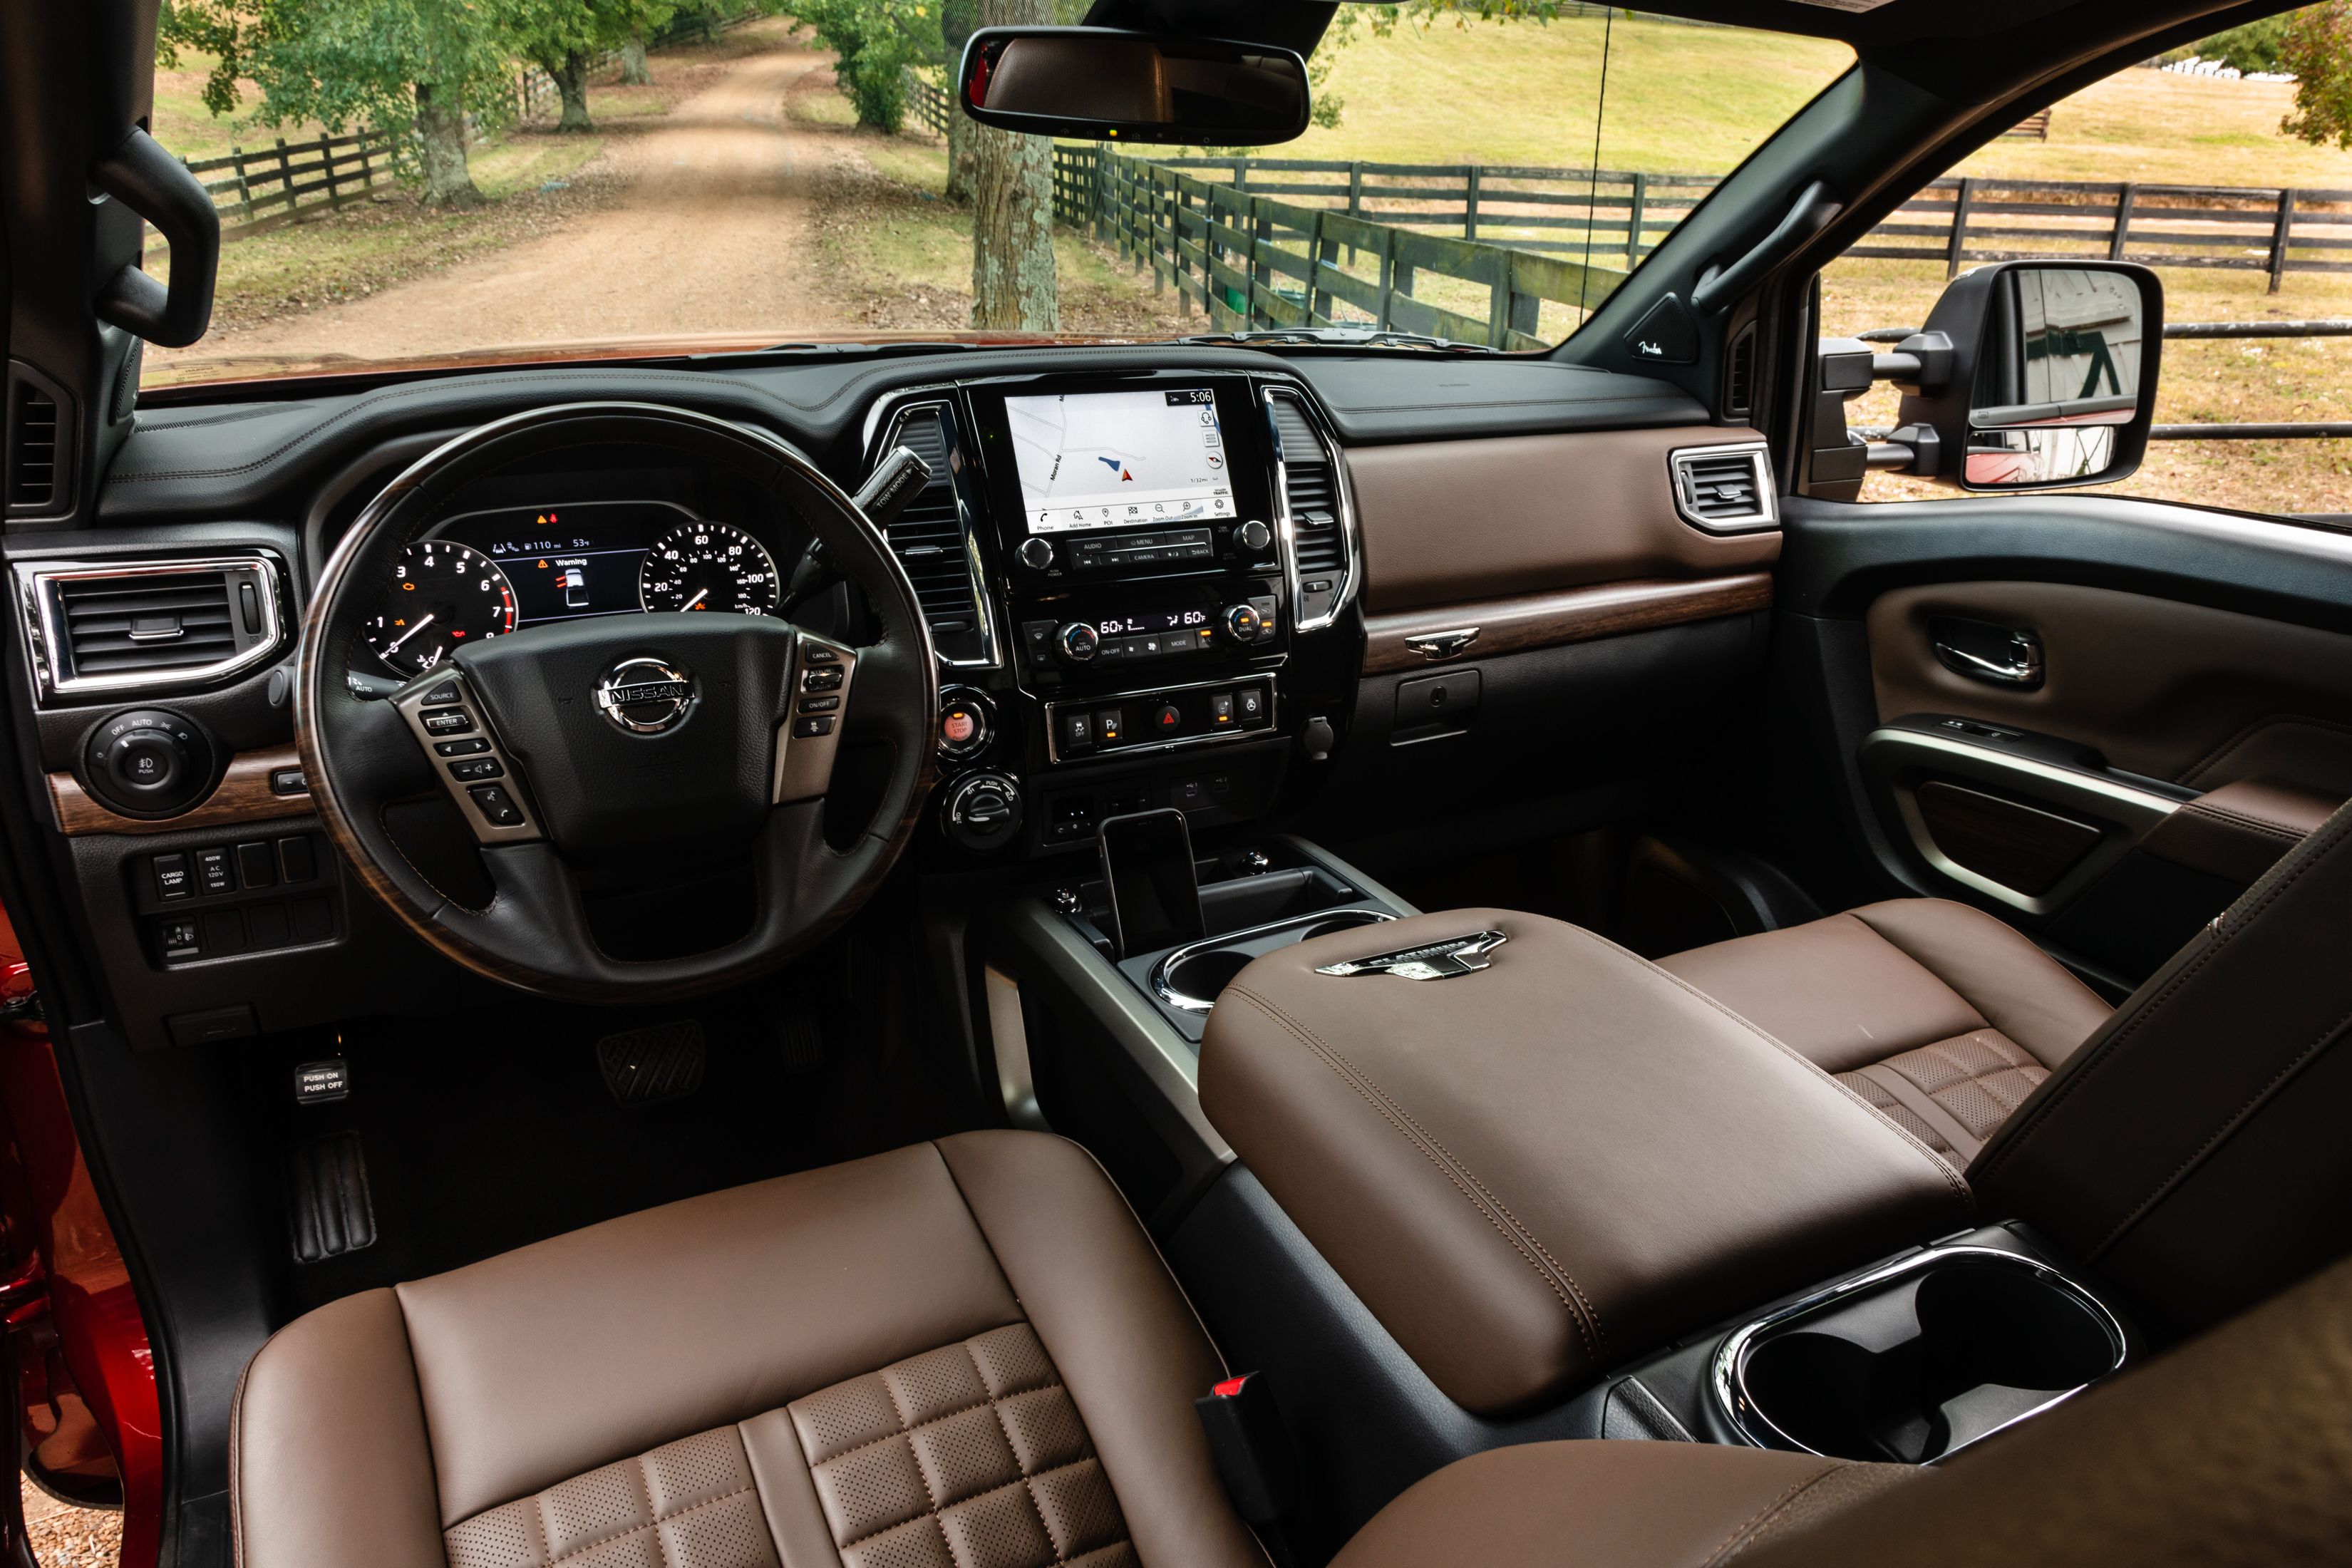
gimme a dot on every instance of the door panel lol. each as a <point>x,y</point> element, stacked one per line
<point>2196,696</point>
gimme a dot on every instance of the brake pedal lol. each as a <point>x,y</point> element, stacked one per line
<point>331,1211</point>
<point>646,1067</point>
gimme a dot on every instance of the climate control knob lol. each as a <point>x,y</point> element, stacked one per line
<point>1254,537</point>
<point>1240,622</point>
<point>1035,554</point>
<point>1076,643</point>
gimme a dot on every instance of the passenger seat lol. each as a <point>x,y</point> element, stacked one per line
<point>1935,1012</point>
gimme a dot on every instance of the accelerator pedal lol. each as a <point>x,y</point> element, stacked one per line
<point>646,1067</point>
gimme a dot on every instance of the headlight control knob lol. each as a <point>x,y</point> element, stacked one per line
<point>148,761</point>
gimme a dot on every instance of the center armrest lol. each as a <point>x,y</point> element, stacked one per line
<point>1535,1172</point>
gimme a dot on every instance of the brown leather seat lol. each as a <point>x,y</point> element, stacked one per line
<point>2232,1449</point>
<point>1939,1014</point>
<point>964,1353</point>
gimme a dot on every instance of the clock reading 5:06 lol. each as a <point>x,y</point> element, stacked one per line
<point>443,596</point>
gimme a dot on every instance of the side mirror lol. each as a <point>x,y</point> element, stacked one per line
<point>2052,375</point>
<point>1099,84</point>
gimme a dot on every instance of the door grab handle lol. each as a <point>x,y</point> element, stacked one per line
<point>2027,672</point>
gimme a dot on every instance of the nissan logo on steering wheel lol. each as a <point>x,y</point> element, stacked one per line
<point>646,696</point>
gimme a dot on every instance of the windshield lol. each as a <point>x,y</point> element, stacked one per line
<point>490,181</point>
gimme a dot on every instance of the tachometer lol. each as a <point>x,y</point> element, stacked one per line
<point>707,566</point>
<point>443,596</point>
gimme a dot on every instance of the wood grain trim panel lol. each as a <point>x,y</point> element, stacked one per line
<point>1549,620</point>
<point>242,795</point>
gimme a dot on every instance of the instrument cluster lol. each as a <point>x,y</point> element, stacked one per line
<point>485,574</point>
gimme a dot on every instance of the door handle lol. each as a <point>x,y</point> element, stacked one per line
<point>2024,667</point>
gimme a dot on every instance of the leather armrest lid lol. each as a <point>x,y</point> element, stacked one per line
<point>1535,1171</point>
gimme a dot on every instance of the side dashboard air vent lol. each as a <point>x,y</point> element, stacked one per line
<point>148,625</point>
<point>1740,376</point>
<point>39,445</point>
<point>930,540</point>
<point>1322,553</point>
<point>1725,489</point>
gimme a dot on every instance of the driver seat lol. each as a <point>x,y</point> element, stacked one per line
<point>964,1352</point>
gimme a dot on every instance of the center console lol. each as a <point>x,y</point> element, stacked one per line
<point>1116,576</point>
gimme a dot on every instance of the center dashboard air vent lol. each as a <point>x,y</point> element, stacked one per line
<point>1323,555</point>
<point>931,541</point>
<point>1725,489</point>
<point>147,626</point>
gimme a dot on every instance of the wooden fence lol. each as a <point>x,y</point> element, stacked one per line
<point>260,189</point>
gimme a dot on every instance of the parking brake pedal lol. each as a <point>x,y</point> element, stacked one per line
<point>646,1067</point>
<point>331,1213</point>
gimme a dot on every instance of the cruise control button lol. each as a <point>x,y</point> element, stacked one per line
<point>172,877</point>
<point>810,728</point>
<point>448,721</point>
<point>478,768</point>
<point>472,748</point>
<point>494,802</point>
<point>820,681</point>
<point>824,705</point>
<point>817,653</point>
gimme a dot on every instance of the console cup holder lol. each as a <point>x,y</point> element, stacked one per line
<point>1190,977</point>
<point>1916,1361</point>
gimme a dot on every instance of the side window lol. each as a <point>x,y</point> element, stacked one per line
<point>2198,166</point>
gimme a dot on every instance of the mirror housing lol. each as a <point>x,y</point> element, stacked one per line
<point>2052,382</point>
<point>1101,84</point>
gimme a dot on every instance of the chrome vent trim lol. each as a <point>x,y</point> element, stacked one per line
<point>1725,489</point>
<point>1309,479</point>
<point>72,621</point>
<point>937,541</point>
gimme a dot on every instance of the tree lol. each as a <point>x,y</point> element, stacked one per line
<point>2317,47</point>
<point>562,37</point>
<point>1013,282</point>
<point>2249,47</point>
<point>874,43</point>
<point>957,20</point>
<point>636,70</point>
<point>402,66</point>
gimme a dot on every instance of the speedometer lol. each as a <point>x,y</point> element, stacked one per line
<point>443,596</point>
<point>707,566</point>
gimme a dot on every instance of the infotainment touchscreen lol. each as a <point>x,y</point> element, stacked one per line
<point>1119,459</point>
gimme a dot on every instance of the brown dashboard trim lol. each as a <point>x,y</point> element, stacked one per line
<point>242,795</point>
<point>1547,620</point>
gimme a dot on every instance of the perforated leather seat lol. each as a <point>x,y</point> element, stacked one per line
<point>964,1354</point>
<point>1937,1014</point>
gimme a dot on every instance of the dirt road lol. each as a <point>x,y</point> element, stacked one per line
<point>710,234</point>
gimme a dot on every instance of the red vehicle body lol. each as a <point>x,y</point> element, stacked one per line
<point>87,1421</point>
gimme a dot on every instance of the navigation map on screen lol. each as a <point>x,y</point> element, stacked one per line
<point>1119,459</point>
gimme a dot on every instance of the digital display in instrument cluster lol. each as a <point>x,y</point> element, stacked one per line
<point>609,558</point>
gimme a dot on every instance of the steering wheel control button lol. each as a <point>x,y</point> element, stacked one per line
<point>477,768</point>
<point>644,695</point>
<point>171,878</point>
<point>447,721</point>
<point>817,653</point>
<point>443,695</point>
<point>819,704</point>
<point>810,728</point>
<point>820,681</point>
<point>472,748</point>
<point>497,806</point>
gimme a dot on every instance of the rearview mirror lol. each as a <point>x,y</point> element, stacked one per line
<point>1099,84</point>
<point>2052,380</point>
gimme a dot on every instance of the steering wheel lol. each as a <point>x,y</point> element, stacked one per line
<point>581,743</point>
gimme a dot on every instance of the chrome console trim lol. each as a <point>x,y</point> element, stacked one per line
<point>1190,1004</point>
<point>36,609</point>
<point>1727,1373</point>
<point>1351,542</point>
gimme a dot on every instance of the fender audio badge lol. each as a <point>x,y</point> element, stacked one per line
<point>1431,960</point>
